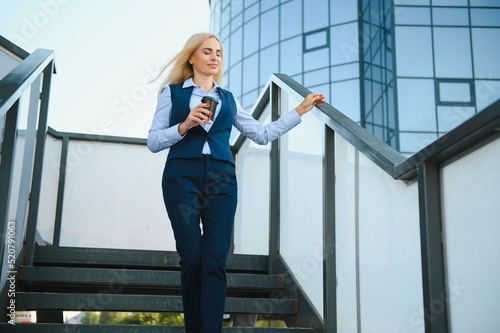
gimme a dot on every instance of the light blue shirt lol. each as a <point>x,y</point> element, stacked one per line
<point>163,135</point>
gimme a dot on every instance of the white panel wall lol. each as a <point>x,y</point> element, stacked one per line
<point>113,197</point>
<point>471,215</point>
<point>7,62</point>
<point>346,235</point>
<point>377,247</point>
<point>301,205</point>
<point>48,193</point>
<point>390,274</point>
<point>251,225</point>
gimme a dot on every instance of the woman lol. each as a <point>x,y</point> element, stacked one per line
<point>199,182</point>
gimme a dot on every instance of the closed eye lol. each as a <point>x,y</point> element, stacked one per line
<point>207,51</point>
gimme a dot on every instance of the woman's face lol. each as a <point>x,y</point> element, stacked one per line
<point>207,59</point>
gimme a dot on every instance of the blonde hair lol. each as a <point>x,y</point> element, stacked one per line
<point>181,68</point>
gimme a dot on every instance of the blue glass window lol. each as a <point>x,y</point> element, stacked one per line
<point>251,12</point>
<point>316,40</point>
<point>250,73</point>
<point>344,44</point>
<point>455,92</point>
<point>269,63</point>
<point>484,3</point>
<point>487,92</point>
<point>413,3</point>
<point>486,48</point>
<point>416,105</point>
<point>236,46</point>
<point>345,97</point>
<point>450,16</point>
<point>316,59</point>
<point>414,51</point>
<point>237,22</point>
<point>291,56</point>
<point>316,78</point>
<point>450,3</point>
<point>450,117</point>
<point>248,100</point>
<point>251,43</point>
<point>413,15</point>
<point>248,3</point>
<point>225,16</point>
<point>315,14</point>
<point>268,4</point>
<point>289,24</point>
<point>236,8</point>
<point>413,142</point>
<point>343,72</point>
<point>235,79</point>
<point>342,11</point>
<point>485,17</point>
<point>452,52</point>
<point>268,32</point>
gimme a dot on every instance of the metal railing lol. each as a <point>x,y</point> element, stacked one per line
<point>406,203</point>
<point>21,160</point>
<point>342,210</point>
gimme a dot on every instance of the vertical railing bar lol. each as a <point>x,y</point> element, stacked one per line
<point>274,196</point>
<point>60,191</point>
<point>329,253</point>
<point>27,163</point>
<point>38,164</point>
<point>433,271</point>
<point>6,166</point>
<point>356,241</point>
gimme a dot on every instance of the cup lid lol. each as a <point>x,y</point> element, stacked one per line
<point>209,98</point>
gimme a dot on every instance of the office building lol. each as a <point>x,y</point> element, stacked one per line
<point>406,70</point>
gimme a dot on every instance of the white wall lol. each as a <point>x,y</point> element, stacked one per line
<point>471,215</point>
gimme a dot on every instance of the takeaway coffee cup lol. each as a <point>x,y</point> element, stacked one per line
<point>213,105</point>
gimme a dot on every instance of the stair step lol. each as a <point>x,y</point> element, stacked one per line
<point>106,301</point>
<point>62,328</point>
<point>94,257</point>
<point>42,275</point>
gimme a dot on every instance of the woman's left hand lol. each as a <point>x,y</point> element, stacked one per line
<point>308,103</point>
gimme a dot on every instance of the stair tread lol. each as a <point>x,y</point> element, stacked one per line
<point>134,277</point>
<point>99,257</point>
<point>106,301</point>
<point>64,328</point>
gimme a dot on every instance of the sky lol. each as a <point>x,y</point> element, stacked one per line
<point>107,54</point>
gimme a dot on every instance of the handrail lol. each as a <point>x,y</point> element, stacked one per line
<point>387,158</point>
<point>13,48</point>
<point>423,167</point>
<point>15,83</point>
<point>36,72</point>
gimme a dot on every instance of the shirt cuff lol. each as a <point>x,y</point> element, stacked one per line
<point>292,119</point>
<point>178,136</point>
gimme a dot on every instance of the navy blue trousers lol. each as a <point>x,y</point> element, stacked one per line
<point>200,195</point>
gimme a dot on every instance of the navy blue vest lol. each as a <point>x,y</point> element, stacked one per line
<point>191,145</point>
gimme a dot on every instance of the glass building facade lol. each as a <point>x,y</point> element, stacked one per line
<point>406,70</point>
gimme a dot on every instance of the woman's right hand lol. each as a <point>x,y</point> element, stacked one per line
<point>197,116</point>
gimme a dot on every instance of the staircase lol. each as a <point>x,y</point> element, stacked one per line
<point>89,279</point>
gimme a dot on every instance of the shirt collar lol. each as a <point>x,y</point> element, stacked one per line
<point>190,83</point>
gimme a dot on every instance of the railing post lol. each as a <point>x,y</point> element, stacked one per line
<point>27,161</point>
<point>6,166</point>
<point>329,253</point>
<point>274,197</point>
<point>60,191</point>
<point>433,279</point>
<point>38,164</point>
